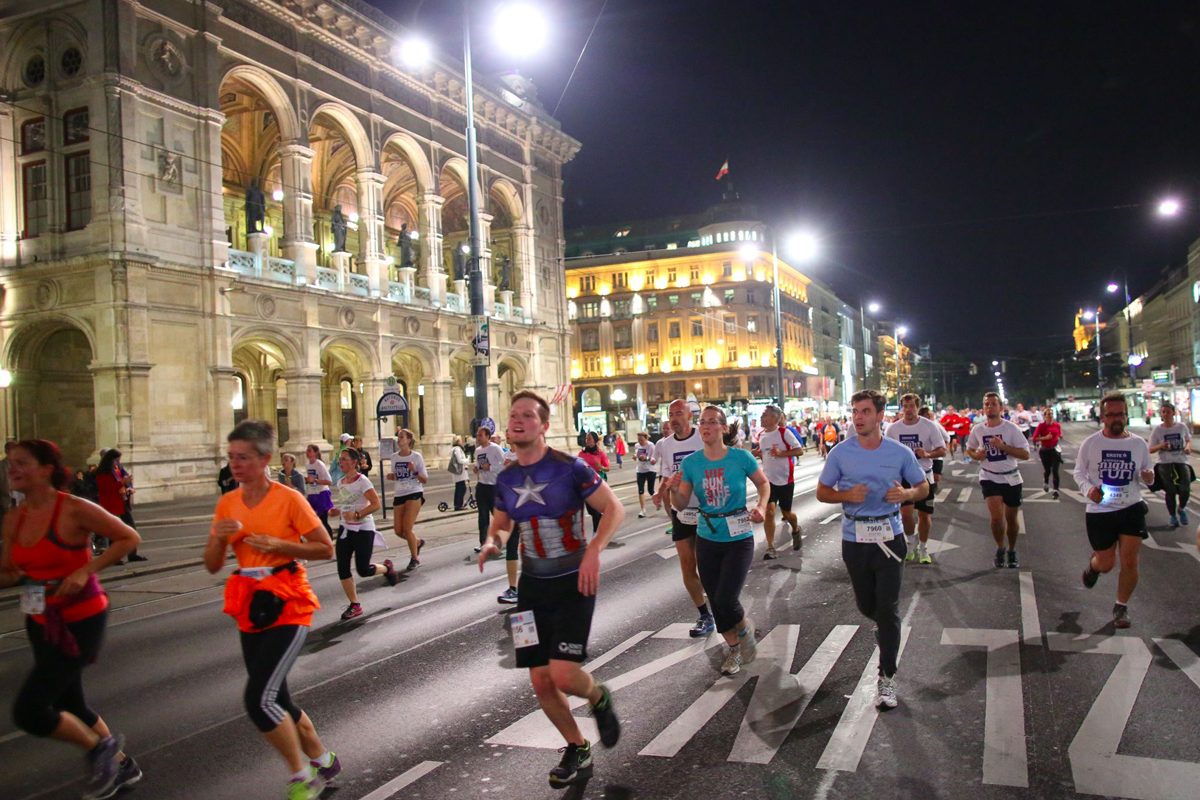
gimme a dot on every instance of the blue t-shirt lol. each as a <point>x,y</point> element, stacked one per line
<point>719,486</point>
<point>850,464</point>
<point>545,502</point>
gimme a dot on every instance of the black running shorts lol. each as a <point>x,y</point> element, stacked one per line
<point>563,617</point>
<point>400,500</point>
<point>781,495</point>
<point>1010,493</point>
<point>1105,528</point>
<point>681,531</point>
<point>925,504</point>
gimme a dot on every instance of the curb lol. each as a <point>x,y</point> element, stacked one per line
<point>14,592</point>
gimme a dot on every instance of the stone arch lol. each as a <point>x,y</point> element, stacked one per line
<point>512,374</point>
<point>262,359</point>
<point>414,366</point>
<point>346,358</point>
<point>36,36</point>
<point>414,154</point>
<point>350,128</point>
<point>504,195</point>
<point>283,349</point>
<point>462,373</point>
<point>506,209</point>
<point>452,186</point>
<point>271,92</point>
<point>341,149</point>
<point>53,389</point>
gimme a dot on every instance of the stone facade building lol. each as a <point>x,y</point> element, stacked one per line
<point>151,297</point>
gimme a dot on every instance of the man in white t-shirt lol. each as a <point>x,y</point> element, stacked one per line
<point>777,447</point>
<point>924,438</point>
<point>1110,468</point>
<point>683,440</point>
<point>1172,441</point>
<point>1023,420</point>
<point>999,446</point>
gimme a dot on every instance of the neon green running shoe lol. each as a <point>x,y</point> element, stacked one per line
<point>309,789</point>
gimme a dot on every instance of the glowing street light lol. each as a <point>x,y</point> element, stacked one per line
<point>520,28</point>
<point>803,246</point>
<point>748,252</point>
<point>873,307</point>
<point>1169,207</point>
<point>414,52</point>
<point>1112,288</point>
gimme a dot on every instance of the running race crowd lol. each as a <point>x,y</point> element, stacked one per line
<point>530,503</point>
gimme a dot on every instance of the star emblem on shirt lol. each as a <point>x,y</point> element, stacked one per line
<point>529,491</point>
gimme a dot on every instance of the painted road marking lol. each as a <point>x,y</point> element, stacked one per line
<point>845,747</point>
<point>401,781</point>
<point>676,630</point>
<point>1031,626</point>
<point>1175,547</point>
<point>831,518</point>
<point>1005,761</point>
<point>776,706</point>
<point>1096,766</point>
<point>1187,661</point>
<point>965,494</point>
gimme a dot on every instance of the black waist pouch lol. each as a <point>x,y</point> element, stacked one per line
<point>265,608</point>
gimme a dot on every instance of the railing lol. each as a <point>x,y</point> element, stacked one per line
<point>360,284</point>
<point>283,270</point>
<point>328,279</point>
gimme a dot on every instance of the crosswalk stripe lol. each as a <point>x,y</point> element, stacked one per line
<point>396,784</point>
<point>965,494</point>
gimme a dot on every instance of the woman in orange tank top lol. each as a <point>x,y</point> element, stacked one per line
<point>47,549</point>
<point>270,528</point>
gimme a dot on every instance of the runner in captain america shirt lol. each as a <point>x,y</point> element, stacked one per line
<point>543,494</point>
<point>924,438</point>
<point>1108,467</point>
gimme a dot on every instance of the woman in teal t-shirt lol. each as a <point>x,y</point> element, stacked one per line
<point>725,533</point>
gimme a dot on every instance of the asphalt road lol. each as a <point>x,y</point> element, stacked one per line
<point>1012,682</point>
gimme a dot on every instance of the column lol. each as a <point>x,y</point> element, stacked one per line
<point>439,429</point>
<point>429,225</point>
<point>260,245</point>
<point>304,410</point>
<point>295,173</point>
<point>10,234</point>
<point>526,271</point>
<point>370,228</point>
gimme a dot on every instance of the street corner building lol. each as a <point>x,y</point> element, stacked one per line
<point>246,208</point>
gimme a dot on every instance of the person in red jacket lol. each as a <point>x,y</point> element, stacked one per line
<point>114,486</point>
<point>1046,436</point>
<point>595,457</point>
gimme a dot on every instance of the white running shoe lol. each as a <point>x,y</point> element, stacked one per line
<point>732,664</point>
<point>885,693</point>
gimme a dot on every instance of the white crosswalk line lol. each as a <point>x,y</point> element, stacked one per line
<point>965,494</point>
<point>408,778</point>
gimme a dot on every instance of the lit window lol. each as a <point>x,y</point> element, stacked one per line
<point>697,327</point>
<point>347,395</point>
<point>79,190</point>
<point>752,323</point>
<point>621,233</point>
<point>673,330</point>
<point>730,323</point>
<point>33,193</point>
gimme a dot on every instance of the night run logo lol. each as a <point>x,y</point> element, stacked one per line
<point>1116,467</point>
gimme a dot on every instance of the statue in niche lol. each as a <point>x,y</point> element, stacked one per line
<point>458,265</point>
<point>505,274</point>
<point>338,223</point>
<point>256,207</point>
<point>405,241</point>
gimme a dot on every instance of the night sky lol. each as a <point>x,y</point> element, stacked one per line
<point>980,170</point>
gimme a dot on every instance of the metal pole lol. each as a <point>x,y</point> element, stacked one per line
<point>778,322</point>
<point>896,341</point>
<point>1129,332</point>
<point>1099,375</point>
<point>862,344</point>
<point>475,272</point>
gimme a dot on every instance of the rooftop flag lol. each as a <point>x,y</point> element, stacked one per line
<point>724,170</point>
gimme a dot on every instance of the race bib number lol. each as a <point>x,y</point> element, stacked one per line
<point>739,524</point>
<point>524,629</point>
<point>873,531</point>
<point>1116,495</point>
<point>688,516</point>
<point>33,599</point>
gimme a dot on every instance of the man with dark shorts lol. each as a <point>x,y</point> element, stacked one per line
<point>777,447</point>
<point>999,445</point>
<point>672,450</point>
<point>543,494</point>
<point>1108,468</point>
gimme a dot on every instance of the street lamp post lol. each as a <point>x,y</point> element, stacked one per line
<point>901,331</point>
<point>475,280</point>
<point>1131,358</point>
<point>778,322</point>
<point>1095,315</point>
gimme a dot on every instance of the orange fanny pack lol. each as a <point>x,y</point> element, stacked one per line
<point>282,597</point>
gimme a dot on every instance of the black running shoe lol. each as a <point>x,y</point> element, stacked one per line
<point>576,765</point>
<point>1089,577</point>
<point>999,560</point>
<point>103,766</point>
<point>1013,561</point>
<point>128,773</point>
<point>1120,616</point>
<point>606,718</point>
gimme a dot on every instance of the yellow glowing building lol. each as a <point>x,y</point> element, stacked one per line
<point>683,313</point>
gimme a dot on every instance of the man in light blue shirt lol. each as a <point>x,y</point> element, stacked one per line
<point>865,474</point>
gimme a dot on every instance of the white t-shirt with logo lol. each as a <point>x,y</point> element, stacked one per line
<point>1023,419</point>
<point>672,452</point>
<point>353,497</point>
<point>923,434</point>
<point>318,471</point>
<point>405,470</point>
<point>780,470</point>
<point>996,466</point>
<point>643,454</point>
<point>1176,438</point>
<point>1115,467</point>
<point>490,460</point>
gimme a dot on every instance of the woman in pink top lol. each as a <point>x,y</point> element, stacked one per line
<point>597,459</point>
